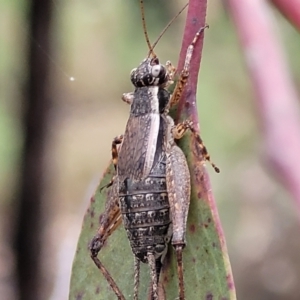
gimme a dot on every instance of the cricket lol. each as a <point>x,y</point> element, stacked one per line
<point>150,191</point>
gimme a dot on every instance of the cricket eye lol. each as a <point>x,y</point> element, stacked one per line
<point>156,70</point>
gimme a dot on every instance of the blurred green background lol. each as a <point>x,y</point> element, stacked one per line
<point>98,43</point>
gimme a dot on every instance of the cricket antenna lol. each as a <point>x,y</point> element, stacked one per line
<point>165,29</point>
<point>145,29</point>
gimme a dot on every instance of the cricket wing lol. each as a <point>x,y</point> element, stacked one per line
<point>179,190</point>
<point>138,148</point>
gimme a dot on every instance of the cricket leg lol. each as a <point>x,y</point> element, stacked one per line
<point>155,289</point>
<point>171,70</point>
<point>109,221</point>
<point>136,277</point>
<point>181,83</point>
<point>114,152</point>
<point>179,130</point>
<point>179,190</point>
<point>154,274</point>
<point>178,250</point>
<point>114,149</point>
<point>128,98</point>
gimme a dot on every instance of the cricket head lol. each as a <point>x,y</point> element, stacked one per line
<point>149,73</point>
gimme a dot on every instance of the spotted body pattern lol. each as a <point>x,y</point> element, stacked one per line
<point>146,214</point>
<point>143,193</point>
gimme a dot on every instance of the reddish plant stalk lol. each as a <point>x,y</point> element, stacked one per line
<point>188,109</point>
<point>195,20</point>
<point>276,98</point>
<point>290,9</point>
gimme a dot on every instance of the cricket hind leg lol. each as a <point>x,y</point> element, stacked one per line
<point>109,221</point>
<point>137,263</point>
<point>155,266</point>
<point>179,190</point>
<point>154,280</point>
<point>178,251</point>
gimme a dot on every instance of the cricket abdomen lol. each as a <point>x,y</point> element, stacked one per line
<point>146,213</point>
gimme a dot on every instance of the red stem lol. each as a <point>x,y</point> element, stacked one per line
<point>290,9</point>
<point>276,97</point>
<point>194,21</point>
